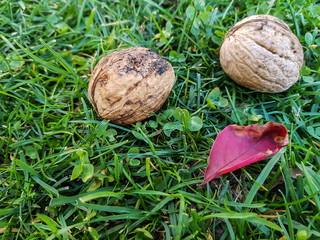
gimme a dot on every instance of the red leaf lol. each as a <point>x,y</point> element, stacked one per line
<point>238,146</point>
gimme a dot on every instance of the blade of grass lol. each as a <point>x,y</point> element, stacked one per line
<point>51,224</point>
<point>262,177</point>
<point>101,194</point>
<point>288,217</point>
<point>26,168</point>
<point>46,186</point>
<point>264,222</point>
<point>42,62</point>
<point>60,59</point>
<point>90,20</point>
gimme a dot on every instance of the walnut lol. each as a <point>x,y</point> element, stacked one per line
<point>128,85</point>
<point>261,53</point>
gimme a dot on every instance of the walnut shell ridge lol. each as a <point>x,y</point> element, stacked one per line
<point>128,85</point>
<point>261,53</point>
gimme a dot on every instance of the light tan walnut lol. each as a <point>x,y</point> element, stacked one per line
<point>128,85</point>
<point>261,53</point>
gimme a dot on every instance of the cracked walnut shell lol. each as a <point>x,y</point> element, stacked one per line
<point>128,85</point>
<point>261,53</point>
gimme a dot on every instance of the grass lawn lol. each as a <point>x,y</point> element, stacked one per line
<point>67,174</point>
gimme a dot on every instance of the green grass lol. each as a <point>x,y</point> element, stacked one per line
<point>67,174</point>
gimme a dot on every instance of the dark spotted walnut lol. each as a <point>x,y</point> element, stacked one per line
<point>261,53</point>
<point>128,85</point>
